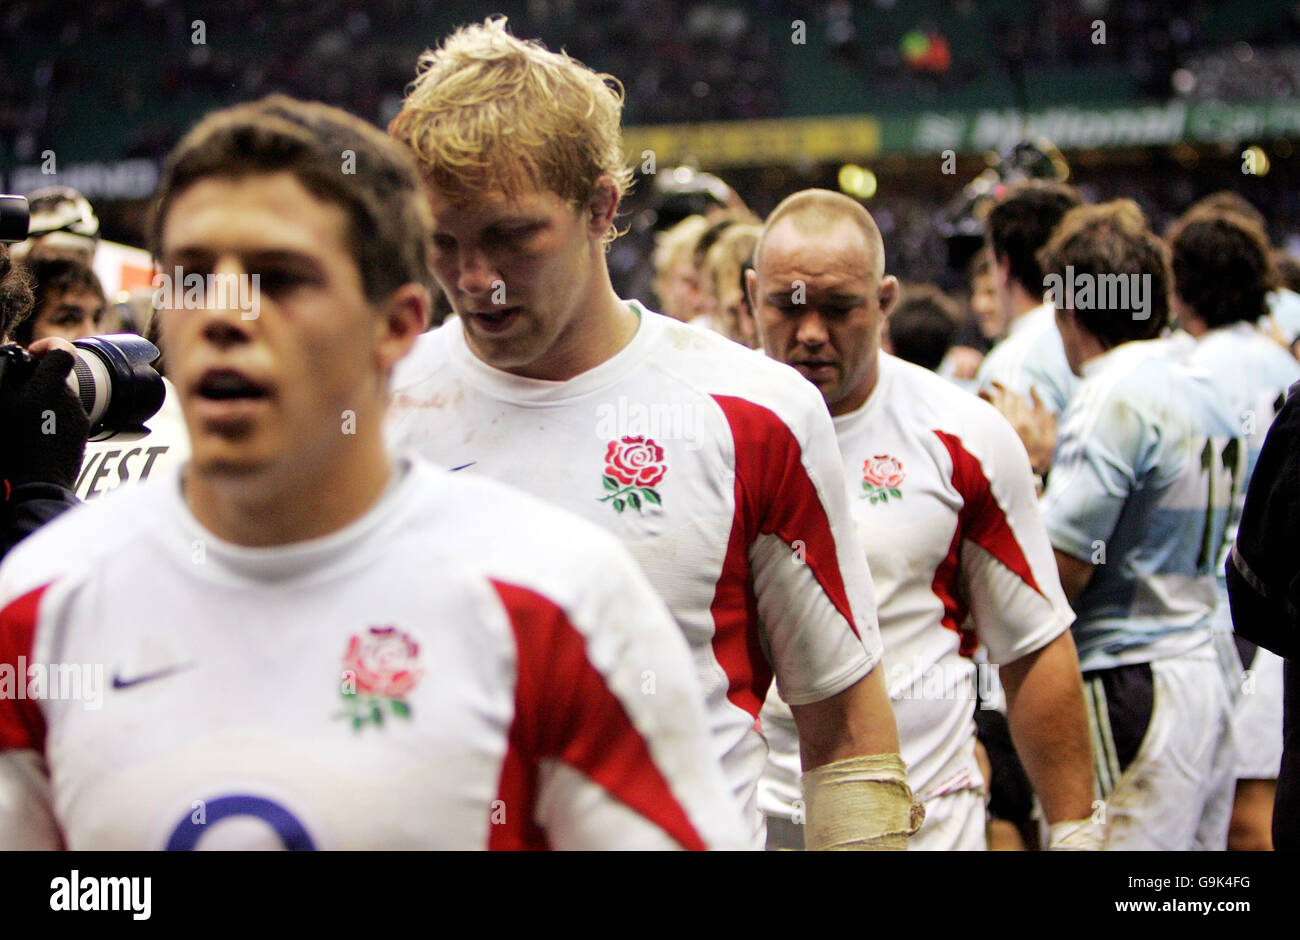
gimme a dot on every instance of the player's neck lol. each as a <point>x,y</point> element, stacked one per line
<point>1194,326</point>
<point>1022,303</point>
<point>606,329</point>
<point>292,504</point>
<point>862,394</point>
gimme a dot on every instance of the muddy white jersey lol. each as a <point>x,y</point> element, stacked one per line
<point>943,496</point>
<point>715,466</point>
<point>1149,461</point>
<point>462,667</point>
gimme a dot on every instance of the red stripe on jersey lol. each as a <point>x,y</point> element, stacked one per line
<point>774,495</point>
<point>945,588</point>
<point>22,726</point>
<point>564,710</point>
<point>982,521</point>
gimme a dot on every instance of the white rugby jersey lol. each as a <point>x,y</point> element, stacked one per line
<point>1252,373</point>
<point>463,667</point>
<point>1032,356</point>
<point>1149,457</point>
<point>944,500</point>
<point>716,466</point>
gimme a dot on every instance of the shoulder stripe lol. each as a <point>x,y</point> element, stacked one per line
<point>22,726</point>
<point>565,710</point>
<point>774,496</point>
<point>981,520</point>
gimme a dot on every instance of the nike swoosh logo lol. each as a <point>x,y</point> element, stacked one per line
<point>120,683</point>
<point>462,466</point>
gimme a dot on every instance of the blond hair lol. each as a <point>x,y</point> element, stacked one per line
<point>730,254</point>
<point>488,111</point>
<point>677,244</point>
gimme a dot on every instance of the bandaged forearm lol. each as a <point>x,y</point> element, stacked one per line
<point>1076,835</point>
<point>860,804</point>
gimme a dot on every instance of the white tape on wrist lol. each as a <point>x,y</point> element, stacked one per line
<point>1075,835</point>
<point>860,804</point>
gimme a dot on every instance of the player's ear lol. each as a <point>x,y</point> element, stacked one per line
<point>750,309</point>
<point>401,319</point>
<point>887,293</point>
<point>602,206</point>
<point>751,291</point>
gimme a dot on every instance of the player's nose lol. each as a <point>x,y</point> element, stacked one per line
<point>231,303</point>
<point>476,275</point>
<point>812,330</point>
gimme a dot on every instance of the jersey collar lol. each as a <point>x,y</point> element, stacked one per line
<point>520,390</point>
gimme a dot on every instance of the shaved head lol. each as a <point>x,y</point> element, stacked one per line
<point>817,211</point>
<point>820,294</point>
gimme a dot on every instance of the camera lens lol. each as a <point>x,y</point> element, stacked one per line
<point>115,382</point>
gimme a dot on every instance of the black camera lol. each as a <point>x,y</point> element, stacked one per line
<point>13,218</point>
<point>111,376</point>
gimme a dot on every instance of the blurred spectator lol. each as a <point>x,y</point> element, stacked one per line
<point>989,314</point>
<point>677,282</point>
<point>69,301</point>
<point>922,326</point>
<point>724,276</point>
<point>62,225</point>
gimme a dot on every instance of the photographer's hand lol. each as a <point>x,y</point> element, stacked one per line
<point>42,425</point>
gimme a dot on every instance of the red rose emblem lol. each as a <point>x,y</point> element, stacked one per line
<point>384,662</point>
<point>886,472</point>
<point>635,461</point>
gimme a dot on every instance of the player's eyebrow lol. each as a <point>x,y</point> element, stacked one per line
<point>518,221</point>
<point>254,259</point>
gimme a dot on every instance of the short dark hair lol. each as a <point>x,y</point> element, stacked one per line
<point>1222,266</point>
<point>389,220</point>
<point>923,325</point>
<point>54,276</point>
<point>1288,269</point>
<point>16,297</point>
<point>1021,224</point>
<point>1108,239</point>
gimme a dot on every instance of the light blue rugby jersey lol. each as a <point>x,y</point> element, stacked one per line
<point>1252,373</point>
<point>1032,355</point>
<point>1149,458</point>
<point>1284,308</point>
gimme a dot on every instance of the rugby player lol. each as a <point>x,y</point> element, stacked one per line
<point>310,644</point>
<point>944,500</point>
<point>1137,507</point>
<point>717,468</point>
<point>1223,276</point>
